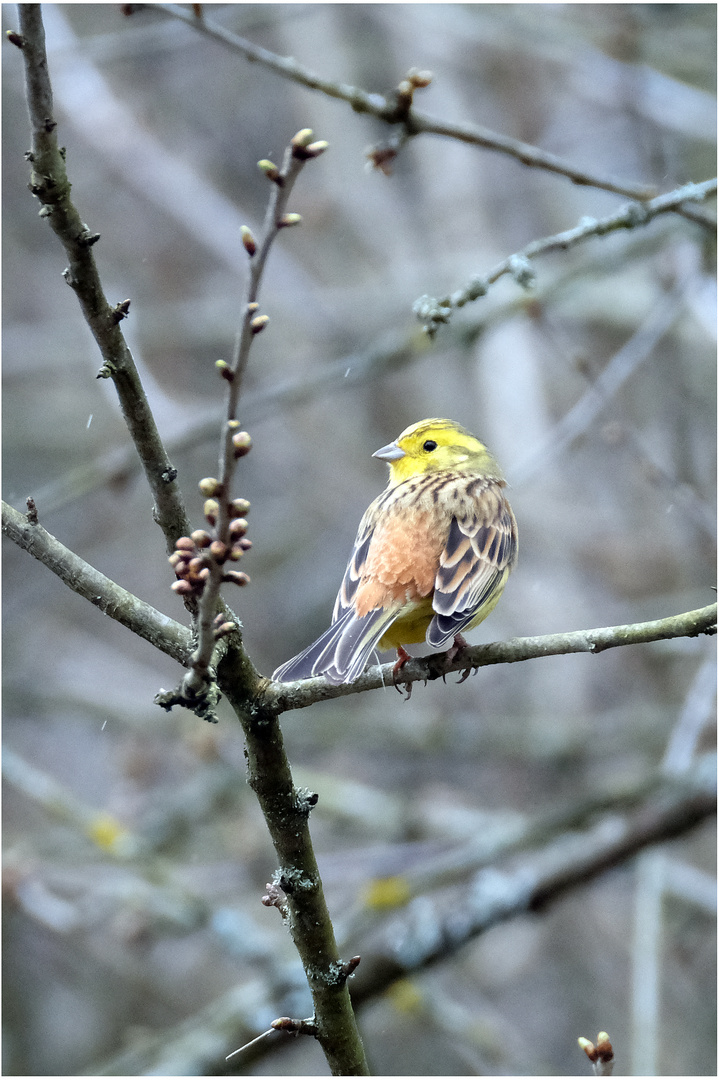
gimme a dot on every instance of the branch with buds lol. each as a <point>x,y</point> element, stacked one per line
<point>200,560</point>
<point>434,312</point>
<point>601,1055</point>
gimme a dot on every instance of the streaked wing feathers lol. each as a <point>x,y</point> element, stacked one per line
<point>480,551</point>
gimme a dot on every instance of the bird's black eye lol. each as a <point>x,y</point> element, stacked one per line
<point>429,445</point>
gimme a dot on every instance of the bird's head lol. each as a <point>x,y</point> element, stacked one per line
<point>434,446</point>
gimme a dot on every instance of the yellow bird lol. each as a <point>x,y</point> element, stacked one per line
<point>432,555</point>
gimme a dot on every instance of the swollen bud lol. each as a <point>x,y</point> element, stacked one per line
<point>248,240</point>
<point>316,148</point>
<point>209,486</point>
<point>239,507</point>
<point>202,539</point>
<point>302,139</point>
<point>259,323</point>
<point>236,576</point>
<point>211,509</point>
<point>289,219</point>
<point>269,169</point>
<point>225,370</point>
<point>242,444</point>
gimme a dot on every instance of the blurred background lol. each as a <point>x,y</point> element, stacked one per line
<point>105,944</point>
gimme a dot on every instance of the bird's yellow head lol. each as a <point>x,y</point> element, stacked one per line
<point>433,446</point>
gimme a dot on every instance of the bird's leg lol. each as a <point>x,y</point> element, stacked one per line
<point>402,658</point>
<point>456,647</point>
<point>454,650</point>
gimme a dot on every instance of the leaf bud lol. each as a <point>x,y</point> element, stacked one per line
<point>242,444</point>
<point>225,370</point>
<point>289,219</point>
<point>209,486</point>
<point>236,576</point>
<point>183,588</point>
<point>419,78</point>
<point>302,139</point>
<point>259,323</point>
<point>219,551</point>
<point>244,544</point>
<point>316,148</point>
<point>233,424</point>
<point>211,509</point>
<point>201,538</point>
<point>238,528</point>
<point>238,507</point>
<point>269,169</point>
<point>248,240</point>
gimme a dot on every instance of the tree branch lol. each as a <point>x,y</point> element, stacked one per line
<point>391,110</point>
<point>49,183</point>
<point>281,697</point>
<point>652,811</point>
<point>165,634</point>
<point>434,311</point>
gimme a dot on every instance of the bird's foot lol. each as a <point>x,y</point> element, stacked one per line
<point>453,652</point>
<point>402,658</point>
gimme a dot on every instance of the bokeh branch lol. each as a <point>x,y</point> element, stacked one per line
<point>604,833</point>
<point>434,312</point>
<point>50,185</point>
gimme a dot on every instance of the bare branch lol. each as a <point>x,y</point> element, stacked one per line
<point>282,697</point>
<point>49,183</point>
<point>433,311</point>
<point>390,110</point>
<point>165,634</point>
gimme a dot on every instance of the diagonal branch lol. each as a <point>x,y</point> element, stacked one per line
<point>434,311</point>
<point>49,183</point>
<point>390,109</point>
<point>165,634</point>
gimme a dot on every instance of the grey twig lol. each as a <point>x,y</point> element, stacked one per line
<point>435,311</point>
<point>394,110</point>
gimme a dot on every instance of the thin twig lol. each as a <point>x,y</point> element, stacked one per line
<point>435,311</point>
<point>220,510</point>
<point>413,121</point>
<point>49,183</point>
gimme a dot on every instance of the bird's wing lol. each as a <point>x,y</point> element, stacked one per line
<point>480,551</point>
<point>342,651</point>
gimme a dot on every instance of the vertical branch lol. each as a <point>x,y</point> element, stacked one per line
<point>49,183</point>
<point>200,560</point>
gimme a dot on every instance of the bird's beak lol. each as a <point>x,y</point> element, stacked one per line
<point>392,452</point>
